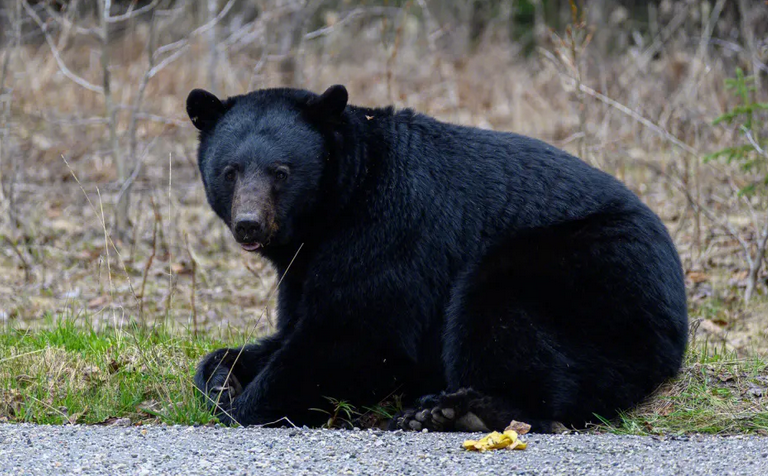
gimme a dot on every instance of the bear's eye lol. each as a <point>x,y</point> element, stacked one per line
<point>281,173</point>
<point>230,174</point>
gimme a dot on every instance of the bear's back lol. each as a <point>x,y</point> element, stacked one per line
<point>495,178</point>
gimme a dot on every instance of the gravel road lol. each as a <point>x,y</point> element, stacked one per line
<point>41,450</point>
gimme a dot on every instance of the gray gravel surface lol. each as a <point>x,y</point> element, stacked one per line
<point>40,450</point>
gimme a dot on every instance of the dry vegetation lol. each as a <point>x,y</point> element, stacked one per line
<point>636,99</point>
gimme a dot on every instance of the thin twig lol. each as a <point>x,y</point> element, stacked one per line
<point>24,263</point>
<point>10,193</point>
<point>628,111</point>
<point>753,142</point>
<point>32,352</point>
<point>156,215</point>
<point>56,55</point>
<point>125,187</point>
<point>193,263</point>
<point>642,61</point>
<point>253,329</point>
<point>103,224</point>
<point>351,15</point>
<point>105,7</point>
<point>169,301</point>
<point>212,23</point>
<point>123,199</point>
<point>67,23</point>
<point>131,13</point>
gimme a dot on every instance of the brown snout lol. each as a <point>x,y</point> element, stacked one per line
<point>253,213</point>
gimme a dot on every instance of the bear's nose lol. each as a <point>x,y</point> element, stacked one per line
<point>247,228</point>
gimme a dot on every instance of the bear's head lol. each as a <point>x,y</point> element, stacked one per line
<point>262,156</point>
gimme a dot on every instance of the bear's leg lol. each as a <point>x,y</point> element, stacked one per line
<point>565,324</point>
<point>503,358</point>
<point>222,374</point>
<point>501,365</point>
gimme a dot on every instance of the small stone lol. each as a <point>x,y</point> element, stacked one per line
<point>121,422</point>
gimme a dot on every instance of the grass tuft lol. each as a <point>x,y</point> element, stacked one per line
<point>717,393</point>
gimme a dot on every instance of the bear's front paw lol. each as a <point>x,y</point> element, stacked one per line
<point>217,381</point>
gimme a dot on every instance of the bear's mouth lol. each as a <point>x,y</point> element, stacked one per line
<point>250,246</point>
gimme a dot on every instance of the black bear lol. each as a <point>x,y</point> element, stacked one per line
<point>484,276</point>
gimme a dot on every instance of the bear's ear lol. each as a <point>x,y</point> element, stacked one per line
<point>204,109</point>
<point>330,104</point>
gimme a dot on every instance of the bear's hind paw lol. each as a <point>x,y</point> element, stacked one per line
<point>443,412</point>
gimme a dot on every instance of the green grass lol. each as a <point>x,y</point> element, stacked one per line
<point>716,393</point>
<point>69,372</point>
<point>72,373</point>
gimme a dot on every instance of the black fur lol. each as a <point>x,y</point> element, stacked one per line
<point>436,257</point>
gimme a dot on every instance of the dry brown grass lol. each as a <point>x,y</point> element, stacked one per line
<point>56,261</point>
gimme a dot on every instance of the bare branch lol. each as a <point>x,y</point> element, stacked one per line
<point>142,88</point>
<point>213,53</point>
<point>626,110</point>
<point>8,195</point>
<point>753,142</point>
<point>63,20</point>
<point>658,42</point>
<point>163,120</point>
<point>736,48</point>
<point>351,15</point>
<point>744,198</point>
<point>181,46</point>
<point>749,36</point>
<point>698,207</point>
<point>168,60</point>
<point>171,46</point>
<point>55,51</point>
<point>756,263</point>
<point>212,23</point>
<point>131,13</point>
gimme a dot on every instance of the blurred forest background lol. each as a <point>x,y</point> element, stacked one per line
<point>102,213</point>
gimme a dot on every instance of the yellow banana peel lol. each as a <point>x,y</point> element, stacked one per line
<point>496,441</point>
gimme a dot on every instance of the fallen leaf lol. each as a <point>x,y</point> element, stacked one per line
<point>725,376</point>
<point>740,275</point>
<point>519,427</point>
<point>115,421</point>
<point>97,302</point>
<point>648,426</point>
<point>666,409</point>
<point>697,277</point>
<point>710,327</point>
<point>496,441</point>
<point>184,267</point>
